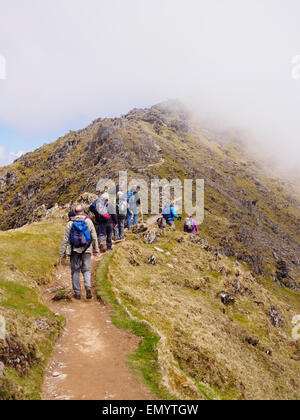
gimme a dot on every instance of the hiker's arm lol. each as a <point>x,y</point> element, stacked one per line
<point>66,241</point>
<point>92,207</point>
<point>173,213</point>
<point>94,238</point>
<point>138,199</point>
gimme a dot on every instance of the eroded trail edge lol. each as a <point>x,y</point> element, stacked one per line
<point>89,360</point>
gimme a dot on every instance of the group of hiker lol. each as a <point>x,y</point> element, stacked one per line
<point>168,218</point>
<point>81,237</point>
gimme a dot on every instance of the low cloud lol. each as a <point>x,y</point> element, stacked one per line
<point>71,61</point>
<point>7,158</point>
<point>17,155</point>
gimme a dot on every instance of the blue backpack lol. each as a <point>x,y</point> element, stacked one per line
<point>80,235</point>
<point>130,194</point>
<point>167,212</point>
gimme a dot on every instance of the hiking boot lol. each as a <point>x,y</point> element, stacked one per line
<point>89,294</point>
<point>102,248</point>
<point>77,296</point>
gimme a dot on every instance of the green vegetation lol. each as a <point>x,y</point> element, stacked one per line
<point>144,360</point>
<point>27,258</point>
<point>192,345</point>
<point>32,250</point>
<point>203,350</point>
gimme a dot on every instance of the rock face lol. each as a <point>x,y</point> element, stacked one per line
<point>249,215</point>
<point>282,270</point>
<point>2,370</point>
<point>276,318</point>
<point>151,236</point>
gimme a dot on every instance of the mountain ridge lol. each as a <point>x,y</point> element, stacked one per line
<point>250,215</point>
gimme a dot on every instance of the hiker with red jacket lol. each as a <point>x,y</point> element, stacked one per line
<point>79,242</point>
<point>105,212</point>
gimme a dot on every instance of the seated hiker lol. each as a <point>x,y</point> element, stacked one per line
<point>190,225</point>
<point>170,215</point>
<point>79,242</point>
<point>121,208</point>
<point>107,219</point>
<point>133,200</point>
<point>162,224</point>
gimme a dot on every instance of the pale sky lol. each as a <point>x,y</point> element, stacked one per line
<point>71,61</point>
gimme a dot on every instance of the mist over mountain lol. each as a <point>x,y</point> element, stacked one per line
<point>220,304</point>
<point>250,213</point>
<point>231,62</point>
<point>209,312</point>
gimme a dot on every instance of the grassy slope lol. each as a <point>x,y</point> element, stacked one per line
<point>232,180</point>
<point>27,258</point>
<point>202,351</point>
<point>145,360</point>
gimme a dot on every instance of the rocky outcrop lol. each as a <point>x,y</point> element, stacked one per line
<point>8,179</point>
<point>248,215</point>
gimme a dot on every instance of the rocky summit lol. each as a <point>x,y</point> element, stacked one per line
<point>216,312</point>
<point>250,213</point>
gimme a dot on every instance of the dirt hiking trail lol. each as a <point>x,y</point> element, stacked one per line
<point>89,360</point>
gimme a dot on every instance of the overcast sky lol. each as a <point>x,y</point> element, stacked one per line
<point>71,61</point>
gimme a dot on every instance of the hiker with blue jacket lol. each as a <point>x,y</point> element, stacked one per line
<point>133,200</point>
<point>170,215</point>
<point>79,243</point>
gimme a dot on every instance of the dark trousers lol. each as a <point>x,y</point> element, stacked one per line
<point>121,226</point>
<point>105,233</point>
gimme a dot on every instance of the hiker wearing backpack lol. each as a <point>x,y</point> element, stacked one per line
<point>121,208</point>
<point>170,215</point>
<point>107,219</point>
<point>79,242</point>
<point>190,225</point>
<point>162,224</point>
<point>133,200</point>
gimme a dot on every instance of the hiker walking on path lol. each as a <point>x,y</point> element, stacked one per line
<point>170,215</point>
<point>107,218</point>
<point>121,208</point>
<point>134,201</point>
<point>79,242</point>
<point>190,225</point>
